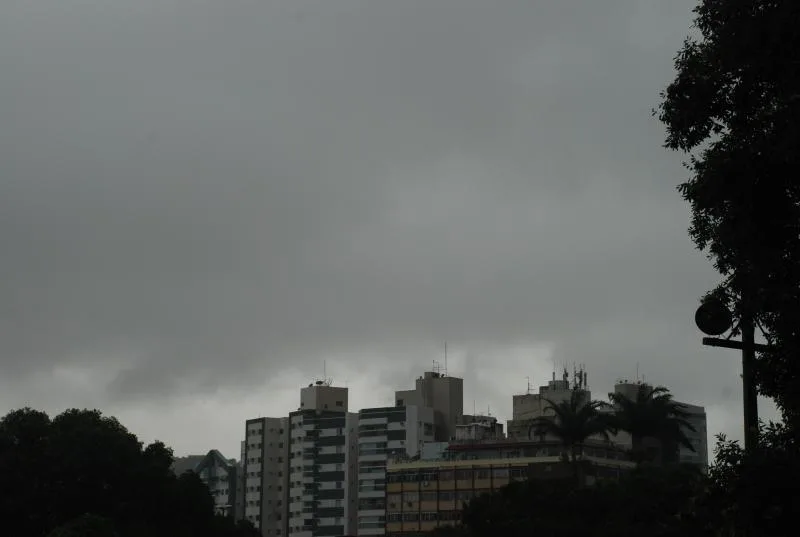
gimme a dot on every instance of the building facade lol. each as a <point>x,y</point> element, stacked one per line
<point>528,406</point>
<point>220,475</point>
<point>442,393</point>
<point>424,495</point>
<point>265,467</point>
<point>698,438</point>
<point>322,498</point>
<point>386,433</point>
<point>696,417</point>
<point>477,427</point>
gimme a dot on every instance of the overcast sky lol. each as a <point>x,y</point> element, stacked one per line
<point>203,202</point>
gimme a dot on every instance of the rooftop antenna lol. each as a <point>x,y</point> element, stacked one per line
<point>528,391</point>
<point>554,368</point>
<point>445,358</point>
<point>637,371</point>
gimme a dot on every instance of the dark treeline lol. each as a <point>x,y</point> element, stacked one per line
<point>81,474</point>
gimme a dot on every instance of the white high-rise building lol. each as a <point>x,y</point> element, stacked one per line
<point>323,461</point>
<point>385,433</point>
<point>265,454</point>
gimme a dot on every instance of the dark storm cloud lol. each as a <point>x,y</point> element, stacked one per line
<point>198,194</point>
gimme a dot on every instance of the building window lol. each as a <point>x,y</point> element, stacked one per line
<point>500,473</point>
<point>462,475</point>
<point>428,496</point>
<point>339,403</point>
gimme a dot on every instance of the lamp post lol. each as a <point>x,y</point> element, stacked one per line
<point>714,319</point>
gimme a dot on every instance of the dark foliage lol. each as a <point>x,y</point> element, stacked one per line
<point>572,422</point>
<point>755,493</point>
<point>652,414</point>
<point>735,108</point>
<point>653,501</point>
<point>86,526</point>
<point>84,474</point>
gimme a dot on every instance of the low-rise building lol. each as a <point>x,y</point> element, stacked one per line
<point>423,495</point>
<point>478,427</point>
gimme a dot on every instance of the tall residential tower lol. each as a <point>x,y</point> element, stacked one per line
<point>322,464</point>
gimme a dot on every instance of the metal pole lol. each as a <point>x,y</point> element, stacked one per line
<point>750,394</point>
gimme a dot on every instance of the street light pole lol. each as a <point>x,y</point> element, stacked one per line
<point>714,319</point>
<point>749,391</point>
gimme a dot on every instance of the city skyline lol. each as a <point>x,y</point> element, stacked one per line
<point>205,201</point>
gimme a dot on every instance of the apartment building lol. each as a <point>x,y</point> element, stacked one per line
<point>528,406</point>
<point>443,393</point>
<point>423,495</point>
<point>386,433</point>
<point>323,455</point>
<point>697,418</point>
<point>265,455</point>
<point>478,427</point>
<point>218,473</point>
<point>698,438</point>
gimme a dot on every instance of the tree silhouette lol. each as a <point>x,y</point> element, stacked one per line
<point>572,423</point>
<point>734,107</point>
<point>82,473</point>
<point>652,414</point>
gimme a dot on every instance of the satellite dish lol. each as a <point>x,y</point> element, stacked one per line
<point>713,318</point>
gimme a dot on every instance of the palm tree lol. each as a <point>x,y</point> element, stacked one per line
<point>573,421</point>
<point>652,414</point>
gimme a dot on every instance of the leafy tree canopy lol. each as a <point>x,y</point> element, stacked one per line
<point>734,106</point>
<point>82,473</point>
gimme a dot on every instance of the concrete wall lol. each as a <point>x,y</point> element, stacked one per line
<point>323,397</point>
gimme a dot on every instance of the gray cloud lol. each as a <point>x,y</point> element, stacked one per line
<point>199,195</point>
